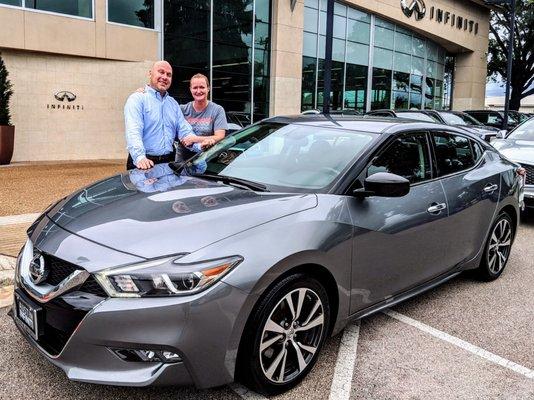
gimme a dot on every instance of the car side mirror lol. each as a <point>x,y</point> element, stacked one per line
<point>384,184</point>
<point>502,134</point>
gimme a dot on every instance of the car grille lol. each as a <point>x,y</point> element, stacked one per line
<point>60,269</point>
<point>530,173</point>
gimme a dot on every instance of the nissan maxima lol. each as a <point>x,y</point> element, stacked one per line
<point>240,262</point>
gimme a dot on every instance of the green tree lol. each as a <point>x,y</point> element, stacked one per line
<point>5,94</point>
<point>523,52</point>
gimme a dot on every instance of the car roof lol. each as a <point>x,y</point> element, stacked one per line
<point>361,123</point>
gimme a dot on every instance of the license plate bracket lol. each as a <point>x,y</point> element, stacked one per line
<point>29,314</point>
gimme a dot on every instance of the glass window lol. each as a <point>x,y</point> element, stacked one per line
<point>429,93</point>
<point>383,37</point>
<point>524,131</point>
<point>418,65</point>
<point>311,3</point>
<point>355,87</point>
<point>416,83</point>
<point>12,2</point>
<point>263,12</point>
<point>407,156</point>
<point>382,58</point>
<point>261,36</point>
<point>432,51</point>
<point>384,24</point>
<point>357,53</point>
<point>401,81</point>
<point>359,15</point>
<point>418,47</point>
<point>336,94</point>
<point>453,153</point>
<point>402,62</point>
<point>381,90</point>
<point>293,157</point>
<point>340,9</point>
<point>400,100</point>
<point>338,50</point>
<point>477,150</point>
<point>358,31</point>
<point>261,62</point>
<point>309,66</point>
<point>79,8</point>
<point>310,45</point>
<point>310,19</point>
<point>415,101</point>
<point>403,43</point>
<point>340,27</point>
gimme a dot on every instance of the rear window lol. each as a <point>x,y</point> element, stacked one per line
<point>416,116</point>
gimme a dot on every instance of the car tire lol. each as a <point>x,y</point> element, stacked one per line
<point>497,248</point>
<point>280,336</point>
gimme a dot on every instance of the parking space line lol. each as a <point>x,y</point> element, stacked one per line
<point>18,219</point>
<point>462,344</point>
<point>245,393</point>
<point>346,360</point>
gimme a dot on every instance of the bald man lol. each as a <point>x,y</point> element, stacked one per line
<point>153,121</point>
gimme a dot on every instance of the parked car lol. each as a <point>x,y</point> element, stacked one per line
<point>493,118</point>
<point>240,263</point>
<point>417,115</point>
<point>453,118</point>
<point>237,120</point>
<point>518,146</point>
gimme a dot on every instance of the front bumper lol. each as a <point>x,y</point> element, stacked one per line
<point>203,329</point>
<point>529,196</point>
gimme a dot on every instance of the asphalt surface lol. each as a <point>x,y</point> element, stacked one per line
<point>394,360</point>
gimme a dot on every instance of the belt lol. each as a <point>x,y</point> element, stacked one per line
<point>162,158</point>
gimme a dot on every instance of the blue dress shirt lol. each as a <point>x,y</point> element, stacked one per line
<point>153,122</point>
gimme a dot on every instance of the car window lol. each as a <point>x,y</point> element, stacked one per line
<point>453,153</point>
<point>407,156</point>
<point>478,151</point>
<point>494,118</point>
<point>482,117</point>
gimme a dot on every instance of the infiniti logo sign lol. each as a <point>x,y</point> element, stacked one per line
<point>416,7</point>
<point>65,95</point>
<point>38,271</point>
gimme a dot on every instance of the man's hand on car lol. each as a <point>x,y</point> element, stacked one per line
<point>145,163</point>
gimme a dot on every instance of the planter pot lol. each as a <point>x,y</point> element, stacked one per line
<point>7,140</point>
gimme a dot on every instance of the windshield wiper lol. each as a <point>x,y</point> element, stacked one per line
<point>233,180</point>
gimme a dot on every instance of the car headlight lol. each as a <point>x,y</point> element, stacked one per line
<point>164,277</point>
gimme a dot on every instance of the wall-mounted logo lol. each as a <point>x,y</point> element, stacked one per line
<point>292,4</point>
<point>65,96</point>
<point>415,7</point>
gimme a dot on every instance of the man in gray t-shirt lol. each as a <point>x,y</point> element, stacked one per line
<point>204,123</point>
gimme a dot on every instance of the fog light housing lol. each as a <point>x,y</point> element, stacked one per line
<point>146,355</point>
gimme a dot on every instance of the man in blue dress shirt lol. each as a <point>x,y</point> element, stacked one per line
<point>153,121</point>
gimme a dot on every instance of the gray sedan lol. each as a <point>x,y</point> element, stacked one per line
<point>518,146</point>
<point>240,262</point>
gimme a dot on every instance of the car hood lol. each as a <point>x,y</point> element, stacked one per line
<point>154,213</point>
<point>516,150</point>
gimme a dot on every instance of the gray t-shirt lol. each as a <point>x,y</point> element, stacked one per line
<point>207,121</point>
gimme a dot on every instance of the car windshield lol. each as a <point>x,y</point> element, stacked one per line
<point>512,117</point>
<point>524,131</point>
<point>417,116</point>
<point>282,157</point>
<point>458,118</point>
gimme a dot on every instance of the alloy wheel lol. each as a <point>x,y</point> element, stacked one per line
<point>499,246</point>
<point>291,335</point>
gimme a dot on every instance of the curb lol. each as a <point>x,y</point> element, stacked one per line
<point>6,296</point>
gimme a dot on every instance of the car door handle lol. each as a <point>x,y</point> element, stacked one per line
<point>436,208</point>
<point>491,188</point>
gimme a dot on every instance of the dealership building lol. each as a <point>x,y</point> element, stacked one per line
<point>73,63</point>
